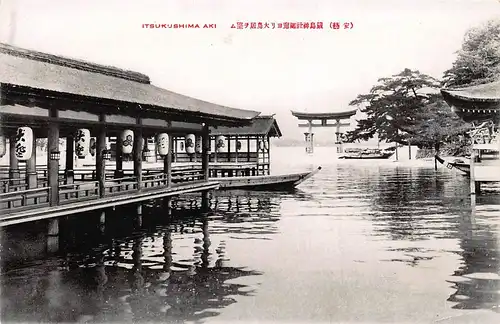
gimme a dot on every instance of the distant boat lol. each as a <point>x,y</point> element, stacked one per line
<point>366,153</point>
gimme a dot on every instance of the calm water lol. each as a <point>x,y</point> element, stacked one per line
<point>361,242</point>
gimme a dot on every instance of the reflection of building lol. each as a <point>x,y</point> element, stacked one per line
<point>154,277</point>
<point>477,282</point>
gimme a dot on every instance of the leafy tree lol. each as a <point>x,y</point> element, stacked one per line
<point>408,109</point>
<point>392,107</point>
<point>437,124</point>
<point>478,61</point>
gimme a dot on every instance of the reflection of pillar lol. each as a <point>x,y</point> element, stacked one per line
<point>167,250</point>
<point>206,245</point>
<point>53,235</point>
<point>338,134</point>
<point>309,136</point>
<point>205,199</point>
<point>102,220</point>
<point>135,277</point>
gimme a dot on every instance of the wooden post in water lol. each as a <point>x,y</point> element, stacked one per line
<point>31,176</point>
<point>53,165</point>
<point>70,156</point>
<point>205,150</point>
<point>13,162</point>
<point>472,176</point>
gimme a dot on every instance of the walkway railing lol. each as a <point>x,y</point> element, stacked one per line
<point>78,191</point>
<point>25,198</point>
<point>120,185</point>
<point>15,196</point>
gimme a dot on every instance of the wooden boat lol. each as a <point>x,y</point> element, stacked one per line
<point>355,153</point>
<point>265,182</point>
<point>460,164</point>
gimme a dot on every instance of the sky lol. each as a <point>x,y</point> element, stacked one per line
<point>273,71</point>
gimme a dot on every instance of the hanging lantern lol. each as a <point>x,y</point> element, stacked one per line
<point>127,141</point>
<point>3,145</point>
<point>261,145</point>
<point>198,145</point>
<point>266,144</point>
<point>162,144</point>
<point>238,146</point>
<point>82,143</point>
<point>92,146</point>
<point>24,143</point>
<point>190,141</point>
<point>220,143</point>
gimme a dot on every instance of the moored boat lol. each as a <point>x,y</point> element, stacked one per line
<point>460,164</point>
<point>366,153</point>
<point>265,182</point>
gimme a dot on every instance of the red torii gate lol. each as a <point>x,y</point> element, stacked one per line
<point>324,118</point>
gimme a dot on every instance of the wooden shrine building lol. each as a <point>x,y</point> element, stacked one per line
<point>324,121</point>
<point>50,97</point>
<point>236,150</point>
<point>480,105</point>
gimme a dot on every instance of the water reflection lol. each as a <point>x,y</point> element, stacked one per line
<point>376,231</point>
<point>163,271</point>
<point>477,281</point>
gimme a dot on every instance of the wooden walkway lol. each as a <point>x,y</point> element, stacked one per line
<point>43,211</point>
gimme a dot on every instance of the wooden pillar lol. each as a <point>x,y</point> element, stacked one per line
<point>409,150</point>
<point>167,161</point>
<point>13,162</point>
<point>53,165</point>
<point>31,176</point>
<point>205,150</point>
<point>100,163</point>
<point>248,148</point>
<point>119,158</point>
<point>70,159</point>
<point>138,146</point>
<point>228,148</point>
<point>236,150</point>
<point>472,174</point>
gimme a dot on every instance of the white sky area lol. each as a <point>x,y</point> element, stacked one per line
<point>273,71</point>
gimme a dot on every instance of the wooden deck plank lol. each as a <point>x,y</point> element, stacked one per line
<point>17,217</point>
